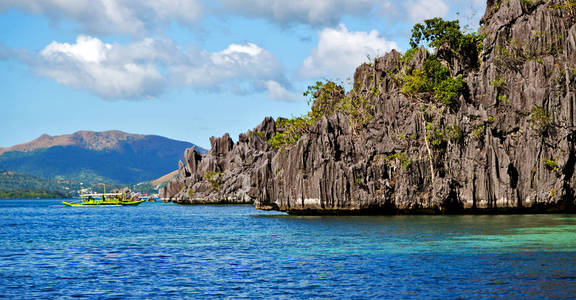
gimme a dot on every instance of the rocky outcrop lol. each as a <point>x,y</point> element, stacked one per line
<point>228,173</point>
<point>507,144</point>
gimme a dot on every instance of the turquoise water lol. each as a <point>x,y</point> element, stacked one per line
<point>164,250</point>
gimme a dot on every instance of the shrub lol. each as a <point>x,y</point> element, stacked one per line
<point>478,131</point>
<point>449,90</point>
<point>289,131</point>
<point>498,83</point>
<point>260,134</point>
<point>503,99</point>
<point>415,83</point>
<point>551,164</point>
<point>357,109</point>
<point>453,133</point>
<point>323,96</point>
<point>434,80</point>
<point>407,57</point>
<point>435,70</point>
<point>569,5</point>
<point>214,178</point>
<point>326,98</point>
<point>540,120</point>
<point>401,157</point>
<point>440,135</point>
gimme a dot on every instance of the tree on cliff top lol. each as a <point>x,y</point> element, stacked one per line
<point>439,33</point>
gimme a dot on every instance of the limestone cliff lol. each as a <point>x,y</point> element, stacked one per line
<point>228,173</point>
<point>508,143</point>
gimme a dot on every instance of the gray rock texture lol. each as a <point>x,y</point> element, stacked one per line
<point>228,173</point>
<point>508,144</point>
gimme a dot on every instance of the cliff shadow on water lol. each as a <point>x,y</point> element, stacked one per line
<point>482,123</point>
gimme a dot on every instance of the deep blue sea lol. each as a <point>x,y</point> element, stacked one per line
<point>159,250</point>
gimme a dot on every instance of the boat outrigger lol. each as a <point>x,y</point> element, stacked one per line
<point>110,199</point>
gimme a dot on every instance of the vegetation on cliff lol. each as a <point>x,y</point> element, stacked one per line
<point>448,35</point>
<point>433,81</point>
<point>326,98</point>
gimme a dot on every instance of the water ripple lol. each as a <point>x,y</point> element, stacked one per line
<point>155,250</point>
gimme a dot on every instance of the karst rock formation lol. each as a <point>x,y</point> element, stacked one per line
<point>507,144</point>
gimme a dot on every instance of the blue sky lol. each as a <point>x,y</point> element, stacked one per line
<point>187,69</point>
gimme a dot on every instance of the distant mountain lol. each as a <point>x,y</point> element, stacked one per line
<point>92,157</point>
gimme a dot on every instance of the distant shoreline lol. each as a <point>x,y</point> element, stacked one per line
<point>33,194</point>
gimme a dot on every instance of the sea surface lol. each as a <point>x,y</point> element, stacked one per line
<point>159,250</point>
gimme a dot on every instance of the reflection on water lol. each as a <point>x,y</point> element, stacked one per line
<point>48,250</point>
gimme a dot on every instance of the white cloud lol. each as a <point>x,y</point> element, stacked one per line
<point>330,12</point>
<point>317,12</point>
<point>230,69</point>
<point>134,17</point>
<point>340,51</point>
<point>420,10</point>
<point>144,69</point>
<point>278,92</point>
<point>86,49</point>
<point>100,68</point>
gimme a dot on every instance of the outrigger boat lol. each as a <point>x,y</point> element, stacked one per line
<point>110,199</point>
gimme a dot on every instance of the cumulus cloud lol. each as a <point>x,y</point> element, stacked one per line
<point>330,12</point>
<point>229,69</point>
<point>340,51</point>
<point>317,12</point>
<point>134,17</point>
<point>277,91</point>
<point>420,10</point>
<point>101,68</point>
<point>145,68</point>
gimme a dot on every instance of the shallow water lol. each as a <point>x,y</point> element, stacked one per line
<point>48,250</point>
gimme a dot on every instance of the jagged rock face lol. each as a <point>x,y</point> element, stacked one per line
<point>529,61</point>
<point>227,173</point>
<point>511,142</point>
<point>503,158</point>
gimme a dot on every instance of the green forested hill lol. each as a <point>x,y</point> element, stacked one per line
<point>17,185</point>
<point>32,194</point>
<point>10,181</point>
<point>95,157</point>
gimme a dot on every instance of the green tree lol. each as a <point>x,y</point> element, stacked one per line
<point>437,33</point>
